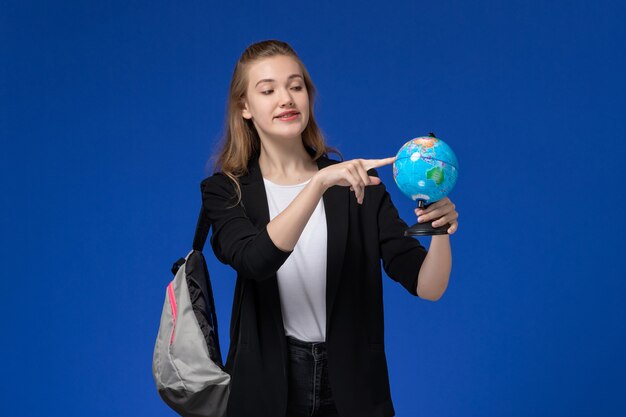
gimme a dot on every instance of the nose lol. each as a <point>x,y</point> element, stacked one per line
<point>286,99</point>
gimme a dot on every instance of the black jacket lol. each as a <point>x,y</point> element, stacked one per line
<point>359,236</point>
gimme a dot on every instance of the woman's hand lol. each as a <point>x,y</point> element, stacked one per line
<point>352,173</point>
<point>443,211</point>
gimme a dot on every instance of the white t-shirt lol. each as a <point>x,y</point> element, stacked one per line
<point>302,278</point>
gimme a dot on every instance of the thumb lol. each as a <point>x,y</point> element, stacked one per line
<point>375,180</point>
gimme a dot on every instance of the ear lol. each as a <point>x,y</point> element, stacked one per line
<point>245,112</point>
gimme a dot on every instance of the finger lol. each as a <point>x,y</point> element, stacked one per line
<point>375,163</point>
<point>355,169</point>
<point>362,173</point>
<point>441,222</point>
<point>448,218</point>
<point>432,214</point>
<point>436,205</point>
<point>453,228</point>
<point>429,209</point>
<point>355,180</point>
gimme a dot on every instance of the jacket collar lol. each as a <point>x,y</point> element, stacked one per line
<point>336,205</point>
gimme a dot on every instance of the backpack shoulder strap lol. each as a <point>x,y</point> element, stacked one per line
<point>199,240</point>
<point>202,231</point>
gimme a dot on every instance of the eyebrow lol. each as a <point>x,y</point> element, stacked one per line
<point>272,80</point>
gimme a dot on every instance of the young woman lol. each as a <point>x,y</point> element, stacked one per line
<point>306,235</point>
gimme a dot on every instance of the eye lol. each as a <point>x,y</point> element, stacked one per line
<point>266,92</point>
<point>297,88</point>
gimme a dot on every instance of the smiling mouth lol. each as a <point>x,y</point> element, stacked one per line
<point>288,115</point>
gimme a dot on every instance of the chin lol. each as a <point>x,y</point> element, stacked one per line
<point>286,134</point>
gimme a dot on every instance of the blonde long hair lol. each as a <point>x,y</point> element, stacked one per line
<point>240,142</point>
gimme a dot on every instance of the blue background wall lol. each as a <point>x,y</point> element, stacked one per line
<point>110,110</point>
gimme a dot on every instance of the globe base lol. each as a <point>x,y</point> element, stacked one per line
<point>426,229</point>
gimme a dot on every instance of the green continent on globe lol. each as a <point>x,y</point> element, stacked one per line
<point>435,174</point>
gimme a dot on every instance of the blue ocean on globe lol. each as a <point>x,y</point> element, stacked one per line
<point>425,169</point>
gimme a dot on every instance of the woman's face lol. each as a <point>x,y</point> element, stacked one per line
<point>275,86</point>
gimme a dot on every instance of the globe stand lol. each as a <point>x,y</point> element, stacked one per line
<point>425,229</point>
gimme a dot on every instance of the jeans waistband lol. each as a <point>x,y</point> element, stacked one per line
<point>306,345</point>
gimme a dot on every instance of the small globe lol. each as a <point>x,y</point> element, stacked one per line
<point>425,169</point>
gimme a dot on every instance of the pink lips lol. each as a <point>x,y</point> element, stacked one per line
<point>292,116</point>
<point>286,119</point>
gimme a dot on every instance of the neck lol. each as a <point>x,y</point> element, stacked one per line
<point>285,161</point>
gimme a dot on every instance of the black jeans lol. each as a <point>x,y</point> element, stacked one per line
<point>309,390</point>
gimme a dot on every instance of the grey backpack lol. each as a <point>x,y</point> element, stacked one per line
<point>187,362</point>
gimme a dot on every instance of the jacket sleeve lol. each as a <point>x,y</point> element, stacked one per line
<point>235,240</point>
<point>402,256</point>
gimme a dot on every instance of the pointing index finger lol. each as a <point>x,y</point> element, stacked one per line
<point>375,163</point>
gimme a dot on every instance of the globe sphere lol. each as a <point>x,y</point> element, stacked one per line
<point>425,169</point>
